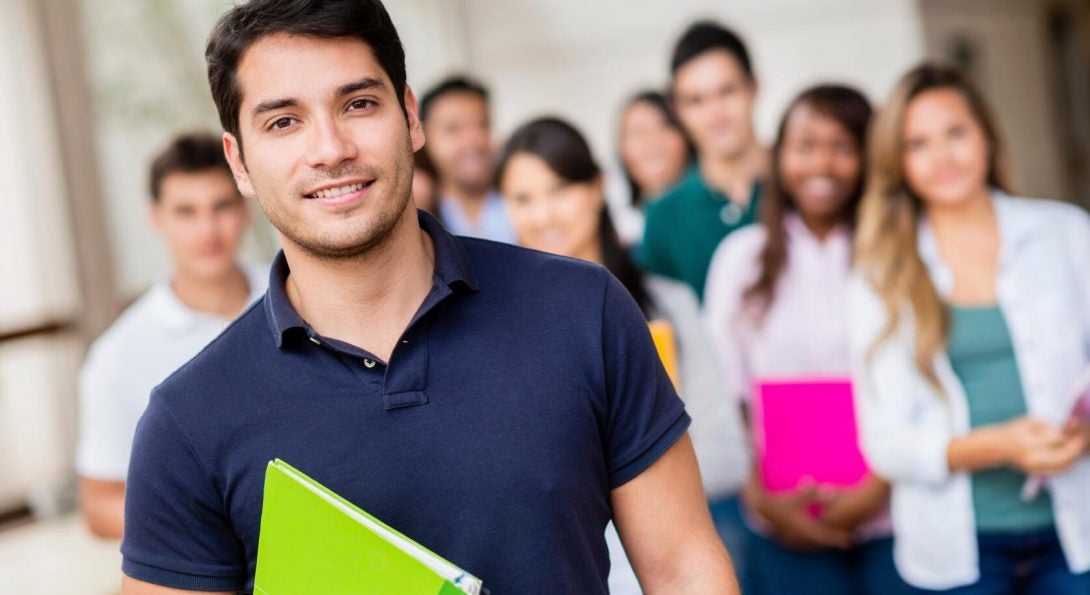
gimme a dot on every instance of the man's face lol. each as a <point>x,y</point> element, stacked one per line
<point>459,140</point>
<point>328,151</point>
<point>714,101</point>
<point>202,219</point>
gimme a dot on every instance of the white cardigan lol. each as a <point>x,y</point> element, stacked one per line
<point>1044,291</point>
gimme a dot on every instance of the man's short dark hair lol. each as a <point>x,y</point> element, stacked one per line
<point>454,84</point>
<point>704,36</point>
<point>245,24</point>
<point>188,153</point>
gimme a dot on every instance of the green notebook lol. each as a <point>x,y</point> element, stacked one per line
<point>314,541</point>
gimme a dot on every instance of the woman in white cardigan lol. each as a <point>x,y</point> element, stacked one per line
<point>970,315</point>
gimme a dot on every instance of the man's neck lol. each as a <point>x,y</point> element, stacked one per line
<point>225,295</point>
<point>471,200</point>
<point>734,175</point>
<point>366,301</point>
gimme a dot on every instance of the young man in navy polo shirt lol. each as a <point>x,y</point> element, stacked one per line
<point>495,404</point>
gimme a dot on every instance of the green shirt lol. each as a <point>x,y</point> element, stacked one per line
<point>982,355</point>
<point>685,226</point>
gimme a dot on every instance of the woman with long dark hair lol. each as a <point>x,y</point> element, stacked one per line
<point>776,306</point>
<point>553,190</point>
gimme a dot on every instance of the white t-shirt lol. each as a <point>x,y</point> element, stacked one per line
<point>148,342</point>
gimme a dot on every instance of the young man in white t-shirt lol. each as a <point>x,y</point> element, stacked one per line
<point>197,210</point>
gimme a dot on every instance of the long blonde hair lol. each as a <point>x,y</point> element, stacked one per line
<point>885,245</point>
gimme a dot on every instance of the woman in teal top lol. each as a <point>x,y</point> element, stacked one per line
<point>982,355</point>
<point>970,316</point>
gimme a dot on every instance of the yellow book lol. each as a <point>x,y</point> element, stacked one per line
<point>662,333</point>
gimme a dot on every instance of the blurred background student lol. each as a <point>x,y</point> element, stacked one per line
<point>713,92</point>
<point>775,306</point>
<point>198,212</point>
<point>655,153</point>
<point>971,322</point>
<point>457,123</point>
<point>553,189</point>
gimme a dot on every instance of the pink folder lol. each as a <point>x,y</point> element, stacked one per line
<point>806,429</point>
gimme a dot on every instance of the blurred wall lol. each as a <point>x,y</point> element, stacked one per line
<point>582,59</point>
<point>1004,46</point>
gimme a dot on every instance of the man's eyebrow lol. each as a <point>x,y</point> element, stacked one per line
<point>360,85</point>
<point>271,105</point>
<point>346,89</point>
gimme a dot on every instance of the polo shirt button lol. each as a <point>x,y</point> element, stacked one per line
<point>315,340</point>
<point>369,363</point>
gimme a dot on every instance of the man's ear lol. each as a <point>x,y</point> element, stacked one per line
<point>233,150</point>
<point>412,115</point>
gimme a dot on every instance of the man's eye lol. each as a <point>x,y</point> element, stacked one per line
<point>280,123</point>
<point>358,104</point>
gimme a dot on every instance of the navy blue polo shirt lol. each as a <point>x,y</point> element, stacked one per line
<point>525,388</point>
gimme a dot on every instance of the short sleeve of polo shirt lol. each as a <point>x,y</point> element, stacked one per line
<point>645,415</point>
<point>177,533</point>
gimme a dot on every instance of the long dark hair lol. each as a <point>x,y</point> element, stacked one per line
<point>658,101</point>
<point>852,110</point>
<point>567,153</point>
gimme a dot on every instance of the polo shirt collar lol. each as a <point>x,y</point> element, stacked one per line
<point>453,271</point>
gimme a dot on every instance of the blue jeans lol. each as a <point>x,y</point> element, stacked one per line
<point>1022,564</point>
<point>866,569</point>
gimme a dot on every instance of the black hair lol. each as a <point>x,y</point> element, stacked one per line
<point>567,153</point>
<point>187,153</point>
<point>660,102</point>
<point>453,84</point>
<point>704,36</point>
<point>246,24</point>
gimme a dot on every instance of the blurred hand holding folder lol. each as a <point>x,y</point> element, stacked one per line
<point>805,431</point>
<point>1077,404</point>
<point>314,541</point>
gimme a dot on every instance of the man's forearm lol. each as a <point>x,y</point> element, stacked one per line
<point>701,573</point>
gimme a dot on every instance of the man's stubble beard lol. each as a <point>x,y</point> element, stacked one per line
<point>374,232</point>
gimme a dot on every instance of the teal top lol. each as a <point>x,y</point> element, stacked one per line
<point>982,355</point>
<point>685,226</point>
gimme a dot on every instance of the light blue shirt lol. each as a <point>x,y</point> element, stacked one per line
<point>493,225</point>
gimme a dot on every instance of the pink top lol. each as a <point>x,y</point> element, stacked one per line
<point>804,333</point>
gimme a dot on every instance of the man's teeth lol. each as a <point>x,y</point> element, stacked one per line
<point>334,192</point>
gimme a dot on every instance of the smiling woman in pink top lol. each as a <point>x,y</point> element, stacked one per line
<point>775,305</point>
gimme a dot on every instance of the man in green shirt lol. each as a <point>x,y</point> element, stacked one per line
<point>713,92</point>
